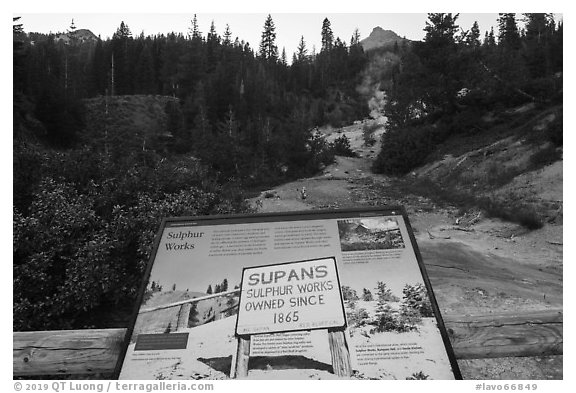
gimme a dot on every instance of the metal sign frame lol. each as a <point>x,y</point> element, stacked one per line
<point>291,216</point>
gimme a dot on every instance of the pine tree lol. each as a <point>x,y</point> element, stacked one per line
<point>367,295</point>
<point>439,56</point>
<point>72,28</point>
<point>327,36</point>
<point>209,290</point>
<point>490,39</point>
<point>302,52</point>
<point>227,41</point>
<point>268,49</point>
<point>473,36</point>
<point>144,78</point>
<point>122,71</point>
<point>385,294</point>
<point>194,31</point>
<point>355,40</point>
<point>123,32</point>
<point>508,35</point>
<point>538,37</point>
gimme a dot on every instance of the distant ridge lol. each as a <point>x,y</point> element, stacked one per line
<point>380,38</point>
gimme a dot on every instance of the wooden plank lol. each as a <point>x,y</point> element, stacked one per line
<point>66,352</point>
<point>188,301</point>
<point>242,357</point>
<point>183,317</point>
<point>506,335</point>
<point>341,363</point>
<point>74,352</point>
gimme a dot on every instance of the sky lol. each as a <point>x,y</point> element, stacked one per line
<point>248,26</point>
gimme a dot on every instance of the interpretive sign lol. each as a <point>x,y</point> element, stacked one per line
<point>303,295</point>
<point>291,296</point>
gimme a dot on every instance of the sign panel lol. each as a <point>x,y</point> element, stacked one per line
<point>303,295</point>
<point>291,296</point>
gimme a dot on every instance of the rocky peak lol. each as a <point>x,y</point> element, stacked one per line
<point>379,38</point>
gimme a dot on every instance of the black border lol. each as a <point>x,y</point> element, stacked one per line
<point>303,215</point>
<point>432,297</point>
<point>294,330</point>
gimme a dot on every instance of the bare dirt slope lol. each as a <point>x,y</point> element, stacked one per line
<point>477,265</point>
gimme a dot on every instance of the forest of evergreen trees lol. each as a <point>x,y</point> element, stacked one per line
<point>443,85</point>
<point>246,112</point>
<point>88,198</point>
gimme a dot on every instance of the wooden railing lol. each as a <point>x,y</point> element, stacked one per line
<point>96,351</point>
<point>185,307</point>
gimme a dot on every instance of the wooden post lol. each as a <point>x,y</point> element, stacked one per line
<point>183,317</point>
<point>242,357</point>
<point>339,352</point>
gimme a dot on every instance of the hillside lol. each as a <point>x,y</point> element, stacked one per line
<point>471,207</point>
<point>138,119</point>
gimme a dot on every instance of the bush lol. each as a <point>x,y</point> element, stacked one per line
<point>403,150</point>
<point>385,294</point>
<point>367,295</point>
<point>70,260</point>
<point>387,320</point>
<point>341,147</point>
<point>545,156</point>
<point>415,297</point>
<point>358,317</point>
<point>418,376</point>
<point>349,293</point>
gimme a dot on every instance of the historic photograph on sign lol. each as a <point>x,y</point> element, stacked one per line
<point>369,234</point>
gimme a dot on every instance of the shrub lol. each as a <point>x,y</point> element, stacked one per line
<point>367,295</point>
<point>341,147</point>
<point>418,376</point>
<point>403,150</point>
<point>358,317</point>
<point>388,320</point>
<point>415,297</point>
<point>499,175</point>
<point>545,156</point>
<point>385,294</point>
<point>349,293</point>
<point>68,260</point>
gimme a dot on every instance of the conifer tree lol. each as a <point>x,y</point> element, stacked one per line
<point>194,31</point>
<point>227,38</point>
<point>302,52</point>
<point>144,72</point>
<point>268,49</point>
<point>327,36</point>
<point>508,34</point>
<point>355,40</point>
<point>473,36</point>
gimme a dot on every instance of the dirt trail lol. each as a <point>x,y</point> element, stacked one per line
<point>490,266</point>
